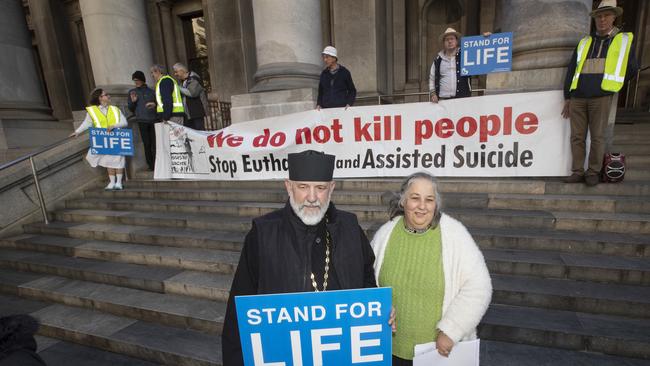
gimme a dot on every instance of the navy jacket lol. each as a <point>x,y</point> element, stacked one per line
<point>589,84</point>
<point>336,90</point>
<point>142,113</point>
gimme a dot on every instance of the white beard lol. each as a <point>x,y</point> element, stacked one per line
<point>310,219</point>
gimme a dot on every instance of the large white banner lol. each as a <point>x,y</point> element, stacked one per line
<point>508,135</point>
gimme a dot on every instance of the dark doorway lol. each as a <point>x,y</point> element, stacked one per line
<point>197,47</point>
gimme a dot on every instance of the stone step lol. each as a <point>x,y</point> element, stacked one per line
<point>473,217</point>
<point>59,353</point>
<point>370,184</point>
<point>563,294</point>
<point>553,202</point>
<point>638,162</point>
<point>149,341</point>
<point>635,175</point>
<point>579,267</point>
<point>206,285</point>
<point>446,185</point>
<point>172,310</point>
<point>632,149</point>
<point>488,237</point>
<point>163,236</point>
<point>614,244</point>
<point>558,220</point>
<point>494,353</point>
<point>625,188</point>
<point>621,336</point>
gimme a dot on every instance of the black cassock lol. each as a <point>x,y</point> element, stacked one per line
<point>279,254</point>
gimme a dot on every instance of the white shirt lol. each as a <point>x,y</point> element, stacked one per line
<point>447,76</point>
<point>88,121</point>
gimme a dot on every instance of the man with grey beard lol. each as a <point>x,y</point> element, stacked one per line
<point>308,245</point>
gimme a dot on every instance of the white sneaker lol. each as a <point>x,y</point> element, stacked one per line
<point>118,187</point>
<point>110,186</point>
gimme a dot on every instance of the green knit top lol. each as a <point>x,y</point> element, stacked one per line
<point>412,266</point>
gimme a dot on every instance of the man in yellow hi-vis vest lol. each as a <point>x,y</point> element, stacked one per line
<point>169,102</point>
<point>598,69</point>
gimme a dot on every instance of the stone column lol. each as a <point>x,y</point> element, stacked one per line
<point>25,117</point>
<point>169,38</point>
<point>118,42</point>
<point>545,36</point>
<point>49,50</point>
<point>288,44</point>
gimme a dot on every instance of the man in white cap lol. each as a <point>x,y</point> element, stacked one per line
<point>445,81</point>
<point>335,88</point>
<point>599,67</point>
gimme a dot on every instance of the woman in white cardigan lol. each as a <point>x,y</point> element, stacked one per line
<point>101,114</point>
<point>441,285</point>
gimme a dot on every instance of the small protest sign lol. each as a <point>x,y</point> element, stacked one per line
<point>346,327</point>
<point>484,55</point>
<point>117,142</point>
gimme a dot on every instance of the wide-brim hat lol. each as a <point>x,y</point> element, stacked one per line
<point>606,5</point>
<point>451,31</point>
<point>311,166</point>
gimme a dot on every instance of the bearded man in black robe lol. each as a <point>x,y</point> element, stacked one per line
<point>308,245</point>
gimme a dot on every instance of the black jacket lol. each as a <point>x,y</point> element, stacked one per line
<point>336,90</point>
<point>463,87</point>
<point>17,343</point>
<point>277,258</point>
<point>589,84</point>
<point>142,113</point>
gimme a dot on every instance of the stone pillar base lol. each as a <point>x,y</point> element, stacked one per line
<point>247,107</point>
<point>526,81</point>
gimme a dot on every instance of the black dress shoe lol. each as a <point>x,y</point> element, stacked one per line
<point>574,178</point>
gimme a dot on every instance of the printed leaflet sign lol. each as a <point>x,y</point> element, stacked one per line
<point>348,327</point>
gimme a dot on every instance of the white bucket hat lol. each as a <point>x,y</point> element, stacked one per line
<point>607,5</point>
<point>450,31</point>
<point>329,50</point>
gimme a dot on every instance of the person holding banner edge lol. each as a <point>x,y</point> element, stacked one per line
<point>309,245</point>
<point>445,81</point>
<point>100,114</point>
<point>441,284</point>
<point>598,68</point>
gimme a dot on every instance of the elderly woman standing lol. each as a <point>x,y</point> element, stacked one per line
<point>101,114</point>
<point>441,285</point>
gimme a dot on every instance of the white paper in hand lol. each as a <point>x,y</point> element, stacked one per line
<point>463,354</point>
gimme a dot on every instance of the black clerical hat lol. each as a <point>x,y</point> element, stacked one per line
<point>311,166</point>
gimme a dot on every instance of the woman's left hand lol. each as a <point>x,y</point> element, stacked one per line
<point>109,128</point>
<point>391,320</point>
<point>444,344</point>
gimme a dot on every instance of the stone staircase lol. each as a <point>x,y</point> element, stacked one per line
<point>140,276</point>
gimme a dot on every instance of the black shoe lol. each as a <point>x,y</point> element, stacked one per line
<point>574,178</point>
<point>592,180</point>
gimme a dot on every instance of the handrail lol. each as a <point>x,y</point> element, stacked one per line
<point>30,157</point>
<point>379,96</point>
<point>636,85</point>
<point>32,154</point>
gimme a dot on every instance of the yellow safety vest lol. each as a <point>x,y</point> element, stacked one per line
<point>101,120</point>
<point>615,61</point>
<point>177,100</point>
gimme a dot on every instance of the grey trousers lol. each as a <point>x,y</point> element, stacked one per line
<point>591,114</point>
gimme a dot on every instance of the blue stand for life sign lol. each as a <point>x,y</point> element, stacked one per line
<point>117,142</point>
<point>484,55</point>
<point>346,327</point>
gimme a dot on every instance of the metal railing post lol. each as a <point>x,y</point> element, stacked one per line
<point>39,193</point>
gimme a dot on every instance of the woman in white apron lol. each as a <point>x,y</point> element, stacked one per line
<point>101,114</point>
